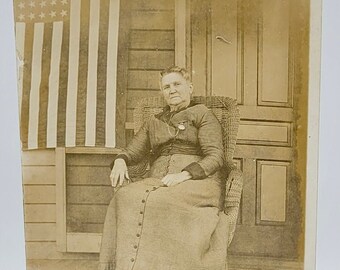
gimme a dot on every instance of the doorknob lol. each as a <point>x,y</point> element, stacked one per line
<point>223,39</point>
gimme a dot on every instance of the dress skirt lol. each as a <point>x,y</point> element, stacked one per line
<point>149,226</point>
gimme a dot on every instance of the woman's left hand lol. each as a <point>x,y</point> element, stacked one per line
<point>175,178</point>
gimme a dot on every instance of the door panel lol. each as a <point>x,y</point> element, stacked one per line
<point>199,49</point>
<point>264,133</point>
<point>225,46</point>
<point>273,54</point>
<point>272,191</point>
<point>256,70</point>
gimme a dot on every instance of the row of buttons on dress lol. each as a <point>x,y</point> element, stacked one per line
<point>140,222</point>
<point>142,211</point>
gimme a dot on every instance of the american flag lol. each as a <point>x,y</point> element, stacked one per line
<point>67,60</point>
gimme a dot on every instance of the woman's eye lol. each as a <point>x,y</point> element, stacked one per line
<point>177,83</point>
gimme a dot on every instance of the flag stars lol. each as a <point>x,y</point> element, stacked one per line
<point>63,13</point>
<point>32,4</point>
<point>31,16</point>
<point>42,15</point>
<point>43,4</point>
<point>21,5</point>
<point>21,17</point>
<point>64,2</point>
<point>53,2</point>
<point>53,14</point>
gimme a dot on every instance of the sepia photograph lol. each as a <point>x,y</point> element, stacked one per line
<point>165,134</point>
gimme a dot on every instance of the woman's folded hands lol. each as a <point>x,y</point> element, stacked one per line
<point>119,174</point>
<point>175,178</point>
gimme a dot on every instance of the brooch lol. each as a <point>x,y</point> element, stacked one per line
<point>181,126</point>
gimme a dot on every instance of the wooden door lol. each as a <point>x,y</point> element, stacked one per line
<point>249,56</point>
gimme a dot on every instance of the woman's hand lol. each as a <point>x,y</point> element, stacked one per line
<point>175,178</point>
<point>119,172</point>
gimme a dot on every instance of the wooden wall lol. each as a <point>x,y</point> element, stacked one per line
<point>150,48</point>
<point>88,191</point>
<point>39,179</point>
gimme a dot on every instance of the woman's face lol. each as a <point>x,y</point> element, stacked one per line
<point>176,89</point>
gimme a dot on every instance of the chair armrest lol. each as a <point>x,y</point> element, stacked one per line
<point>232,200</point>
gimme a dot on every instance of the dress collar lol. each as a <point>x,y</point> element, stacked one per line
<point>167,107</point>
<point>166,110</point>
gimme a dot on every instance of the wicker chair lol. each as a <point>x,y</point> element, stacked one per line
<point>226,111</point>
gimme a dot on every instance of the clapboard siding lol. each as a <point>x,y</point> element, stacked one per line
<point>152,40</point>
<point>89,213</point>
<point>41,194</point>
<point>38,175</point>
<point>152,20</point>
<point>40,232</point>
<point>62,264</point>
<point>48,250</point>
<point>40,213</point>
<point>152,5</point>
<point>88,191</point>
<point>88,194</point>
<point>85,218</point>
<point>101,160</point>
<point>153,60</point>
<point>40,216</point>
<point>86,175</point>
<point>152,49</point>
<point>85,228</point>
<point>147,80</point>
<point>38,158</point>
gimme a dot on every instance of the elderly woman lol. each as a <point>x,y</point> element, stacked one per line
<point>169,220</point>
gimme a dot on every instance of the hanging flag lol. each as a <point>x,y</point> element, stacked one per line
<point>67,59</point>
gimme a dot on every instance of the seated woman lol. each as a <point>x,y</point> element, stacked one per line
<point>170,220</point>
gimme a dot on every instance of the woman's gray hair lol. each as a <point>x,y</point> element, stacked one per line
<point>176,69</point>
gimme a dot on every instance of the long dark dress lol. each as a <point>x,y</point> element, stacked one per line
<point>149,226</point>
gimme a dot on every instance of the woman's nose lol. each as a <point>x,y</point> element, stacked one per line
<point>173,89</point>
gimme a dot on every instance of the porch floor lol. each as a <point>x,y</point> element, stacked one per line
<point>262,263</point>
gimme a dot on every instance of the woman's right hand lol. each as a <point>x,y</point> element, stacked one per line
<point>119,173</point>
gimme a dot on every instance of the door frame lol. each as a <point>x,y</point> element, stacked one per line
<point>312,77</point>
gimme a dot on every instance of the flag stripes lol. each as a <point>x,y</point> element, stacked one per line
<point>67,86</point>
<point>63,79</point>
<point>101,73</point>
<point>82,76</point>
<point>26,85</point>
<point>20,48</point>
<point>91,97</point>
<point>111,78</point>
<point>44,90</point>
<point>72,81</point>
<point>53,84</point>
<point>38,39</point>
